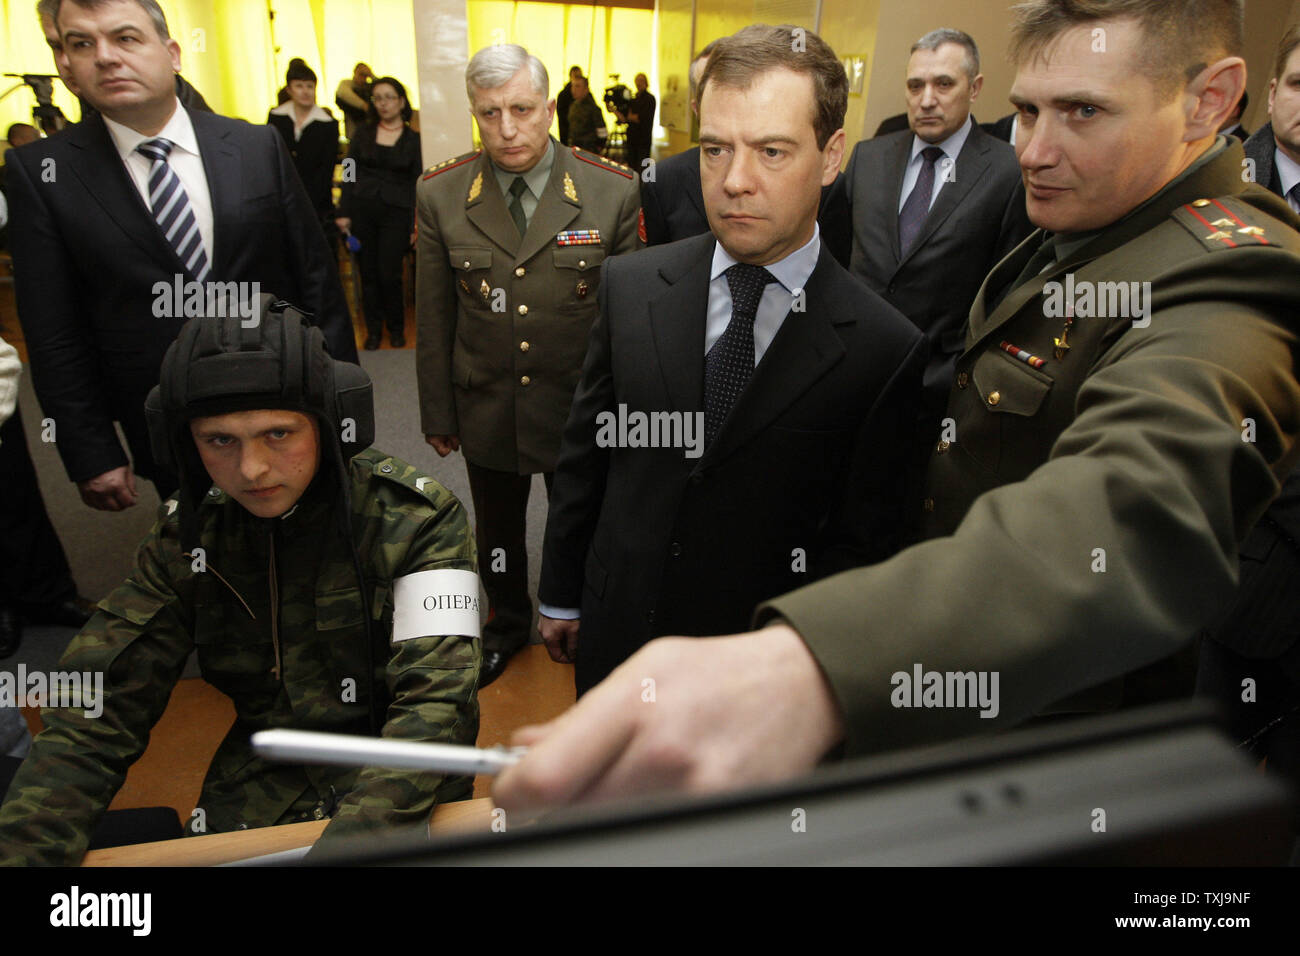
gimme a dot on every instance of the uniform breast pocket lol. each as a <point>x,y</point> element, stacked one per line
<point>577,271</point>
<point>471,268</point>
<point>1012,394</point>
<point>234,650</point>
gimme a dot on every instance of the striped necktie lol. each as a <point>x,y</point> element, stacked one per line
<point>171,208</point>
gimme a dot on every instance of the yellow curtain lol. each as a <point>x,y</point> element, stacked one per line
<point>229,54</point>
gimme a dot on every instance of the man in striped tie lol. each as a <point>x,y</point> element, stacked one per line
<point>126,224</point>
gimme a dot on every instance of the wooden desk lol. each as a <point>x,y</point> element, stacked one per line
<point>458,817</point>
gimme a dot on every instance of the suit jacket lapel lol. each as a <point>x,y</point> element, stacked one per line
<point>678,318</point>
<point>554,210</point>
<point>970,167</point>
<point>902,156</point>
<point>222,167</point>
<point>805,348</point>
<point>488,209</point>
<point>95,162</point>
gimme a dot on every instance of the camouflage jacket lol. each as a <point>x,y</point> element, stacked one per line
<point>276,618</point>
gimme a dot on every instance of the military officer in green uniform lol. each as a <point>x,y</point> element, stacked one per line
<point>511,239</point>
<point>1100,465</point>
<point>297,561</point>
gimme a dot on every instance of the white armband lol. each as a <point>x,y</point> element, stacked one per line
<point>436,602</point>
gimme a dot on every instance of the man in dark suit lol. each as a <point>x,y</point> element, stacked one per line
<point>1274,149</point>
<point>801,380</point>
<point>563,100</point>
<point>101,284</point>
<point>672,204</point>
<point>933,209</point>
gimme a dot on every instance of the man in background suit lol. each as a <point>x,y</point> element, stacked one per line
<point>92,262</point>
<point>672,202</point>
<point>1274,148</point>
<point>933,209</point>
<point>801,381</point>
<point>511,242</point>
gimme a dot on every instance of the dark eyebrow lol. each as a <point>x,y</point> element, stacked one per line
<point>1067,100</point>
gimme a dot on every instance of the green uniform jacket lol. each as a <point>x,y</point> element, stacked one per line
<point>503,320</point>
<point>273,589</point>
<point>1153,450</point>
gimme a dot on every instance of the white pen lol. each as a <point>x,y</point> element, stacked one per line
<point>305,746</point>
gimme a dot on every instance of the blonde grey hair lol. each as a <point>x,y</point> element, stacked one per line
<point>494,65</point>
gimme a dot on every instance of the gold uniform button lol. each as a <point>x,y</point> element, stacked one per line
<point>943,446</point>
<point>928,504</point>
<point>524,380</point>
<point>520,272</point>
<point>1201,203</point>
<point>523,346</point>
<point>523,310</point>
<point>582,263</point>
<point>995,397</point>
<point>962,379</point>
<point>466,263</point>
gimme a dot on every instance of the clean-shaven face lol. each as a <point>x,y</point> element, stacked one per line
<point>760,167</point>
<point>514,122</point>
<point>1096,137</point>
<point>264,459</point>
<point>117,60</point>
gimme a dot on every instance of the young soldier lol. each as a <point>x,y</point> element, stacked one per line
<point>299,563</point>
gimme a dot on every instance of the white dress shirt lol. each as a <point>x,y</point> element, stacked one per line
<point>185,160</point>
<point>951,147</point>
<point>1288,171</point>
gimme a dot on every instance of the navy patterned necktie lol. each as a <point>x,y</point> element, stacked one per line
<point>172,210</point>
<point>730,363</point>
<point>917,208</point>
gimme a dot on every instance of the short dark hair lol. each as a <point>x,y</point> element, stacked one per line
<point>736,60</point>
<point>372,114</point>
<point>1180,37</point>
<point>149,6</point>
<point>1290,40</point>
<point>299,70</point>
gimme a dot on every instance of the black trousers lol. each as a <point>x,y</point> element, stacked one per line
<point>33,567</point>
<point>500,512</point>
<point>385,235</point>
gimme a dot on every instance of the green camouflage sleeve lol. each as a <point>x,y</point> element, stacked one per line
<point>433,682</point>
<point>129,657</point>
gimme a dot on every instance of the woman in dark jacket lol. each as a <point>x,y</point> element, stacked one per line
<point>378,206</point>
<point>312,136</point>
